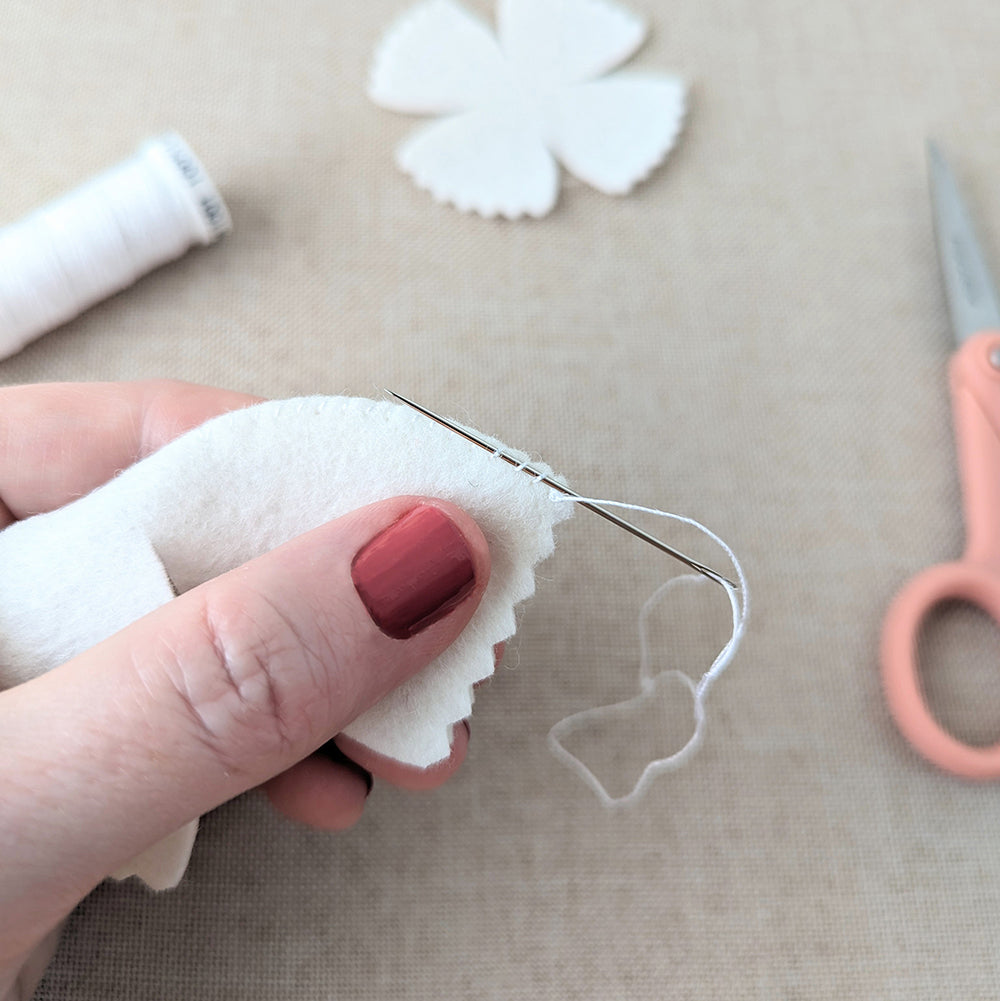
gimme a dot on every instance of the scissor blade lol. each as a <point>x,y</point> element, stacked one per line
<point>972,297</point>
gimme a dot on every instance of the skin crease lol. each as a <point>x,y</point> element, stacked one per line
<point>58,442</point>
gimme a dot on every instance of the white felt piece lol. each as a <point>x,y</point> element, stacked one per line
<point>535,97</point>
<point>613,132</point>
<point>557,42</point>
<point>69,583</point>
<point>437,59</point>
<point>162,865</point>
<point>491,162</point>
<point>233,489</point>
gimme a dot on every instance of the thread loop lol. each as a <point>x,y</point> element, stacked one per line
<point>739,600</point>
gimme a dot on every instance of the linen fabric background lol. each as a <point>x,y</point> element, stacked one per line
<point>756,337</point>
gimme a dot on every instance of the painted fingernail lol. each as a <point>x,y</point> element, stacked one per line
<point>333,753</point>
<point>414,572</point>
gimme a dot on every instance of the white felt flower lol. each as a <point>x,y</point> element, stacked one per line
<point>517,102</point>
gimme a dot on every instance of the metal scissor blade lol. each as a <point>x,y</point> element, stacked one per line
<point>972,297</point>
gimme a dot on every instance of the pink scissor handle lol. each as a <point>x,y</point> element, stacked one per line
<point>975,394</point>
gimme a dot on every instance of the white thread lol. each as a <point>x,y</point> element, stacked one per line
<point>103,236</point>
<point>739,600</point>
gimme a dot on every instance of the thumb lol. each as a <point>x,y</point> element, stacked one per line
<point>222,688</point>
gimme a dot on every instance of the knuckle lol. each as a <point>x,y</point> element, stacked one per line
<point>256,687</point>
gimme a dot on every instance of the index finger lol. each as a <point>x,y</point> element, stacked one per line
<point>58,441</point>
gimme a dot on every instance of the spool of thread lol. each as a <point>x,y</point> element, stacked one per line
<point>103,236</point>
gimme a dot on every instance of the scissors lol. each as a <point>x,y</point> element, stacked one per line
<point>974,376</point>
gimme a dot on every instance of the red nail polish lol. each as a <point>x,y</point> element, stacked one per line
<point>414,572</point>
<point>331,752</point>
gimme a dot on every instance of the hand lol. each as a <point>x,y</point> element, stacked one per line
<point>111,752</point>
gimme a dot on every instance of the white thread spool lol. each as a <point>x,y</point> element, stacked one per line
<point>103,236</point>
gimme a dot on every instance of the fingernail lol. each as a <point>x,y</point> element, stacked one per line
<point>333,753</point>
<point>414,572</point>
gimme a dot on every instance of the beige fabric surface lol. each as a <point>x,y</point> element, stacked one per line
<point>756,337</point>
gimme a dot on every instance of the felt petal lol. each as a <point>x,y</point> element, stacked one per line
<point>437,59</point>
<point>56,617</point>
<point>611,133</point>
<point>491,162</point>
<point>161,866</point>
<point>558,42</point>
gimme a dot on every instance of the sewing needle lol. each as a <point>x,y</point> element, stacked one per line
<point>556,485</point>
